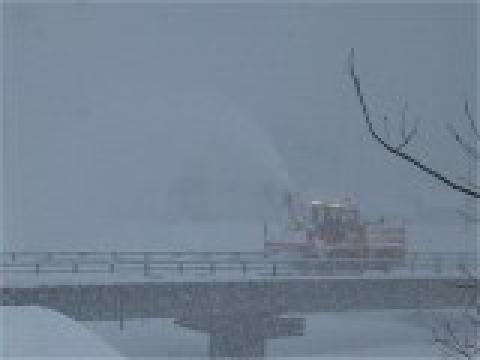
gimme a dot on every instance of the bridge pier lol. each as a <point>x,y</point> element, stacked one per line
<point>243,335</point>
<point>238,316</point>
<point>236,343</point>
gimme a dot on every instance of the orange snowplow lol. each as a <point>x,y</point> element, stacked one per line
<point>335,230</point>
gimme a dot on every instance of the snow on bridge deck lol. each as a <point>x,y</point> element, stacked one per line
<point>32,269</point>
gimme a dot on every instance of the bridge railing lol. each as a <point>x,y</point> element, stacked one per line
<point>214,262</point>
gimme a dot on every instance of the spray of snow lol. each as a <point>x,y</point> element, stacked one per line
<point>181,157</point>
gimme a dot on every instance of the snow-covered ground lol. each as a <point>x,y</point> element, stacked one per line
<point>34,332</point>
<point>373,334</point>
<point>349,335</point>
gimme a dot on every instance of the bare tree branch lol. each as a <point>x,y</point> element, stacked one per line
<point>386,127</point>
<point>396,150</point>
<point>406,138</point>
<point>469,182</point>
<point>467,216</point>
<point>454,340</point>
<point>403,123</point>
<point>464,344</point>
<point>468,148</point>
<point>473,125</point>
<point>449,343</point>
<point>413,131</point>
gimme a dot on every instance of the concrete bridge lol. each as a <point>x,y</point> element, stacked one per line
<point>240,315</point>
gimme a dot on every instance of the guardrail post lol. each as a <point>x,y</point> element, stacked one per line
<point>111,268</point>
<point>274,269</point>
<point>438,265</point>
<point>244,268</point>
<point>75,268</point>
<point>212,268</point>
<point>37,269</point>
<point>146,264</point>
<point>120,314</point>
<point>13,255</point>
<point>462,262</point>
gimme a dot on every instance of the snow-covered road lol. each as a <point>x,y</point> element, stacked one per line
<point>31,331</point>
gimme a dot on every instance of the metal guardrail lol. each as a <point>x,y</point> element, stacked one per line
<point>212,262</point>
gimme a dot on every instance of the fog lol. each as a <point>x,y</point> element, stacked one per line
<point>123,120</point>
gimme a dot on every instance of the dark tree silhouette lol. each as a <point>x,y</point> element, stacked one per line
<point>398,150</point>
<point>454,338</point>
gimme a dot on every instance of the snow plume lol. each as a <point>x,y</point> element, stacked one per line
<point>227,165</point>
<point>151,158</point>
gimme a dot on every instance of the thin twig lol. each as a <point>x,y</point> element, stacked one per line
<point>469,149</point>
<point>398,152</point>
<point>473,125</point>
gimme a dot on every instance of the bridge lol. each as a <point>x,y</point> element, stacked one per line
<point>179,266</point>
<point>239,299</point>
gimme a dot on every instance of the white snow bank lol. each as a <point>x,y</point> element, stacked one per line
<point>30,331</point>
<point>359,335</point>
<point>150,338</point>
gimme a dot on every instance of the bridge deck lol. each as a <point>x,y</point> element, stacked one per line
<point>26,269</point>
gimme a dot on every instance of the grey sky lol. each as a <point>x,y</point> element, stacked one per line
<point>120,113</point>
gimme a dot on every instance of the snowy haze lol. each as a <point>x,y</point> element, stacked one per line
<point>127,123</point>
